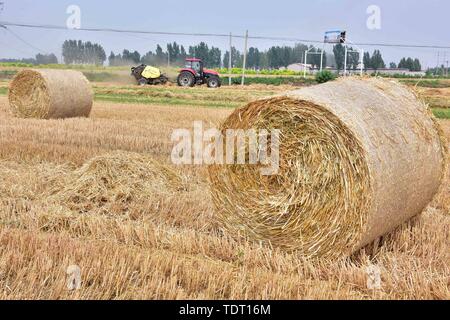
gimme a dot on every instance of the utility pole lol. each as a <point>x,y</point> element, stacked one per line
<point>245,58</point>
<point>304,66</point>
<point>168,58</point>
<point>230,66</point>
<point>446,70</point>
<point>345,61</point>
<point>321,57</point>
<point>437,64</point>
<point>321,60</point>
<point>443,64</point>
<point>361,62</point>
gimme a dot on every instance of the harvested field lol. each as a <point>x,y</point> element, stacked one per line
<point>437,97</point>
<point>167,245</point>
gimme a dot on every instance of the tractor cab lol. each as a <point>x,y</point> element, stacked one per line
<point>194,73</point>
<point>196,65</point>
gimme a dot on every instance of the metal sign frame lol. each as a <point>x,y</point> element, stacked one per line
<point>306,59</point>
<point>335,36</point>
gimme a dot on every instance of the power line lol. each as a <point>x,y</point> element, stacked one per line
<point>54,27</point>
<point>12,47</point>
<point>113,30</point>
<point>21,39</point>
<point>16,49</point>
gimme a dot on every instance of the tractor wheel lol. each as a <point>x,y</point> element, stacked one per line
<point>143,82</point>
<point>186,79</point>
<point>164,80</point>
<point>213,82</point>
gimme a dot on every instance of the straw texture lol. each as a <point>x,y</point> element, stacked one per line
<point>357,158</point>
<point>50,94</point>
<point>112,182</point>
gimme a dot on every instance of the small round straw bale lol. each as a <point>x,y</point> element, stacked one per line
<point>50,94</point>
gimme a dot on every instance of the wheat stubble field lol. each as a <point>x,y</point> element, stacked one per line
<point>159,240</point>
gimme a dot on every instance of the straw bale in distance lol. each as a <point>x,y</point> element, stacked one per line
<point>50,94</point>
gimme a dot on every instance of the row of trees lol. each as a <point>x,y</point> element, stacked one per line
<point>126,58</point>
<point>210,56</point>
<point>410,64</point>
<point>175,54</point>
<point>374,62</point>
<point>277,57</point>
<point>353,57</point>
<point>46,59</point>
<point>79,52</point>
<point>439,71</point>
<point>37,60</point>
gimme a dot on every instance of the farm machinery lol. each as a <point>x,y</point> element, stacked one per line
<point>148,75</point>
<point>194,73</point>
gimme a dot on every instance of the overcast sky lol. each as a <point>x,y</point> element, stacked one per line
<point>402,21</point>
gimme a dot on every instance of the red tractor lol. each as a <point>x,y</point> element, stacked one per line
<point>194,73</point>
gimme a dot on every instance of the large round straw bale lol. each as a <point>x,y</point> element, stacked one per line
<point>50,94</point>
<point>357,158</point>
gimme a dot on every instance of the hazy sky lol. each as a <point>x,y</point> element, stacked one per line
<point>402,21</point>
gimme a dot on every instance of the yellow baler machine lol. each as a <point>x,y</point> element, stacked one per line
<point>148,75</point>
<point>151,72</point>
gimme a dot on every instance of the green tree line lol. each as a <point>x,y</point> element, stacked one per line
<point>410,64</point>
<point>79,52</point>
<point>275,57</point>
<point>175,54</point>
<point>37,60</point>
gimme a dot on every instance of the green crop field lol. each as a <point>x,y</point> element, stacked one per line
<point>441,113</point>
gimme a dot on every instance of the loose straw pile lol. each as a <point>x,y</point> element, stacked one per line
<point>357,158</point>
<point>50,94</point>
<point>112,182</point>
